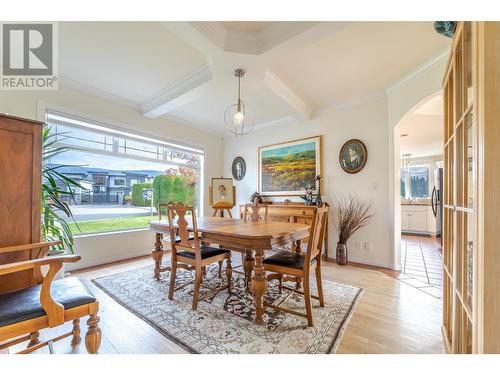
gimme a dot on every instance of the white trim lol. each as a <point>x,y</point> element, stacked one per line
<point>84,88</point>
<point>43,107</point>
<point>100,234</point>
<point>443,55</point>
<point>301,109</point>
<point>184,90</point>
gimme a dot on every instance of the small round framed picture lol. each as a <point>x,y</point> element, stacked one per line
<point>239,168</point>
<point>353,156</point>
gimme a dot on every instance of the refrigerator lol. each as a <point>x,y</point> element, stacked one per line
<point>437,202</point>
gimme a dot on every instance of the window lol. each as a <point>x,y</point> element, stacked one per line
<point>124,175</point>
<point>415,182</point>
<point>119,182</point>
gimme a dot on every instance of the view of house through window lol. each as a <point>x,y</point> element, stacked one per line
<point>122,176</point>
<point>415,182</point>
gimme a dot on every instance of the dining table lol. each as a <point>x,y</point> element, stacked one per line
<point>241,236</point>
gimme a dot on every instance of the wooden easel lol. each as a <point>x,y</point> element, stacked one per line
<point>221,210</point>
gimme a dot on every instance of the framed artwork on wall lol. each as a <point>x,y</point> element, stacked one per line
<point>287,168</point>
<point>239,168</point>
<point>353,156</point>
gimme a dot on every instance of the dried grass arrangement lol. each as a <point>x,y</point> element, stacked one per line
<point>351,216</point>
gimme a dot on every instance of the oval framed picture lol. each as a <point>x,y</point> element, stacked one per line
<point>239,168</point>
<point>353,156</point>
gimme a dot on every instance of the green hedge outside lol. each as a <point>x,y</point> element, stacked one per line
<point>172,188</point>
<point>137,199</point>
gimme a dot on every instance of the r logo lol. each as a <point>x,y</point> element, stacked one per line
<point>27,49</point>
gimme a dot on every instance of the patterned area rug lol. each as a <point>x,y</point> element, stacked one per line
<point>224,323</point>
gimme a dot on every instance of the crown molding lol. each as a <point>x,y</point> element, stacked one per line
<point>299,106</point>
<point>83,87</point>
<point>182,91</point>
<point>436,59</point>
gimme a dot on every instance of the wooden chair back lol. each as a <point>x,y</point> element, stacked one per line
<point>255,215</point>
<point>179,211</point>
<point>316,234</point>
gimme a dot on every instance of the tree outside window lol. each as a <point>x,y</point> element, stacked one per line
<point>415,183</point>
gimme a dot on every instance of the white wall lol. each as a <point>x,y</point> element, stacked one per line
<point>110,247</point>
<point>367,122</point>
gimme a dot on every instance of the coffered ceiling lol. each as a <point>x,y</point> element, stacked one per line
<point>184,70</point>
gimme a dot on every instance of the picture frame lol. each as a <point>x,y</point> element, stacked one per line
<point>285,169</point>
<point>353,156</point>
<point>222,193</point>
<point>238,168</point>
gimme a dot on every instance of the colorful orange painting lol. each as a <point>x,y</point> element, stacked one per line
<point>287,168</point>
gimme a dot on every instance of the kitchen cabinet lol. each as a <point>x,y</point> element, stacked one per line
<point>418,219</point>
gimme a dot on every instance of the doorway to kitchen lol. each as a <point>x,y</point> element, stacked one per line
<point>420,138</point>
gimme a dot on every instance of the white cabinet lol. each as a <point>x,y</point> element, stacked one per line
<point>418,219</point>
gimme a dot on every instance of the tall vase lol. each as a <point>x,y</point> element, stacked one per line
<point>341,254</point>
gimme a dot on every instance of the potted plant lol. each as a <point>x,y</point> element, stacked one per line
<point>351,216</point>
<point>55,186</point>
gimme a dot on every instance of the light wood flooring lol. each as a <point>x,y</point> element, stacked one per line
<point>391,316</point>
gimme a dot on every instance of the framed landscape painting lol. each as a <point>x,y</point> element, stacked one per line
<point>287,168</point>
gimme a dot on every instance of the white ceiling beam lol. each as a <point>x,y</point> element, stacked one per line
<point>188,88</point>
<point>299,107</point>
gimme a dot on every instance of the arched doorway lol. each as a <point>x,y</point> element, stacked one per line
<point>418,158</point>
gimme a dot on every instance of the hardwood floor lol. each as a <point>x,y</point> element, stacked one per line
<point>391,317</point>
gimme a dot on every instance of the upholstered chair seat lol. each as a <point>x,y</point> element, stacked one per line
<point>25,304</point>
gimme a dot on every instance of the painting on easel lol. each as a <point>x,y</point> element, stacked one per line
<point>222,195</point>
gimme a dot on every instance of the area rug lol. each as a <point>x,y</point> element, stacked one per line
<point>225,323</point>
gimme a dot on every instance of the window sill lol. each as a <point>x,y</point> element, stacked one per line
<point>103,234</point>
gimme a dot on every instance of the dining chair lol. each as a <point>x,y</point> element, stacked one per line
<point>255,214</point>
<point>190,254</point>
<point>300,266</point>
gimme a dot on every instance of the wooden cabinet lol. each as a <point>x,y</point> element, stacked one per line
<point>471,224</point>
<point>20,197</point>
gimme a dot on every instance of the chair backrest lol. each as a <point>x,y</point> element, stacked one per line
<point>163,207</point>
<point>180,226</point>
<point>255,215</point>
<point>317,233</point>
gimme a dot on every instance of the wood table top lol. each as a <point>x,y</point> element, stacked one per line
<point>238,227</point>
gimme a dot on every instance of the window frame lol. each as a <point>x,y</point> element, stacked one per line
<point>120,132</point>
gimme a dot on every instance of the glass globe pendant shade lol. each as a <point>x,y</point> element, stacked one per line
<point>240,122</point>
<point>238,117</point>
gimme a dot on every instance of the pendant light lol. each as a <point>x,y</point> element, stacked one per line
<point>405,162</point>
<point>238,117</point>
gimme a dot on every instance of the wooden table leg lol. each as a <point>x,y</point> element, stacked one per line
<point>157,255</point>
<point>298,250</point>
<point>259,286</point>
<point>248,267</point>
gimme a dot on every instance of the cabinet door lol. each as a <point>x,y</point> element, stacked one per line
<point>419,222</point>
<point>405,221</point>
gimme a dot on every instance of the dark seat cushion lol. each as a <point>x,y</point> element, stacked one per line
<point>287,259</point>
<point>25,304</point>
<point>206,252</point>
